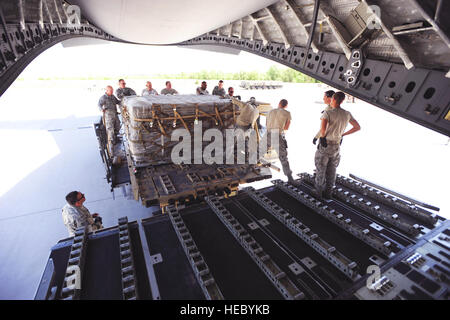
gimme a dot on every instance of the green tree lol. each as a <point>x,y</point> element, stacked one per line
<point>273,74</point>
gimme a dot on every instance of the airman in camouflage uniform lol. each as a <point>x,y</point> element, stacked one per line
<point>202,89</point>
<point>253,102</point>
<point>248,114</point>
<point>278,121</point>
<point>107,104</point>
<point>219,90</point>
<point>230,93</point>
<point>148,91</point>
<point>168,89</point>
<point>245,121</point>
<point>327,97</point>
<point>123,91</point>
<point>75,215</point>
<point>328,156</point>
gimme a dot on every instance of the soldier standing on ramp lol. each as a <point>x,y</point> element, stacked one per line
<point>328,155</point>
<point>278,121</point>
<point>107,104</point>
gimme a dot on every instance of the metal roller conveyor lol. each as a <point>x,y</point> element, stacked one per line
<point>345,265</point>
<point>199,266</point>
<point>279,278</point>
<point>338,218</point>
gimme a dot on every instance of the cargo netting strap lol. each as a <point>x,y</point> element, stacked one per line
<point>149,130</point>
<point>217,116</point>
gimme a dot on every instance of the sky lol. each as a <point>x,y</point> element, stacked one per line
<point>118,59</point>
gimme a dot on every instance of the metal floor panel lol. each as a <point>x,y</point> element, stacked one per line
<point>390,234</point>
<point>350,246</point>
<point>143,287</point>
<point>101,273</point>
<point>235,272</point>
<point>60,255</point>
<point>403,216</point>
<point>325,269</point>
<point>174,274</point>
<point>390,210</point>
<point>102,277</point>
<point>120,175</point>
<point>311,288</point>
<point>363,220</point>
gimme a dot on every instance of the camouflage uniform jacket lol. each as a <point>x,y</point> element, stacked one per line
<point>146,92</point>
<point>76,217</point>
<point>202,92</point>
<point>169,91</point>
<point>108,102</point>
<point>124,92</point>
<point>218,91</point>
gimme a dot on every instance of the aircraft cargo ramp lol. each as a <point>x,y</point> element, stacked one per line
<point>274,243</point>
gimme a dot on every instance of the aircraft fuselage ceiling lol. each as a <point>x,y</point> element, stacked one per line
<point>392,54</point>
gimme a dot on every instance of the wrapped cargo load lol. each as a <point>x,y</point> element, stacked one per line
<point>149,122</point>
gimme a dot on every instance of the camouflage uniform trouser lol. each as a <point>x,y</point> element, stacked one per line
<point>282,152</point>
<point>326,160</point>
<point>112,125</point>
<point>250,149</point>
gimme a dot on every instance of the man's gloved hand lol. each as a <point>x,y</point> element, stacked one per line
<point>323,142</point>
<point>98,220</point>
<point>314,140</point>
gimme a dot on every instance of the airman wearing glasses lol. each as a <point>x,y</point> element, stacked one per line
<point>124,91</point>
<point>230,93</point>
<point>76,215</point>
